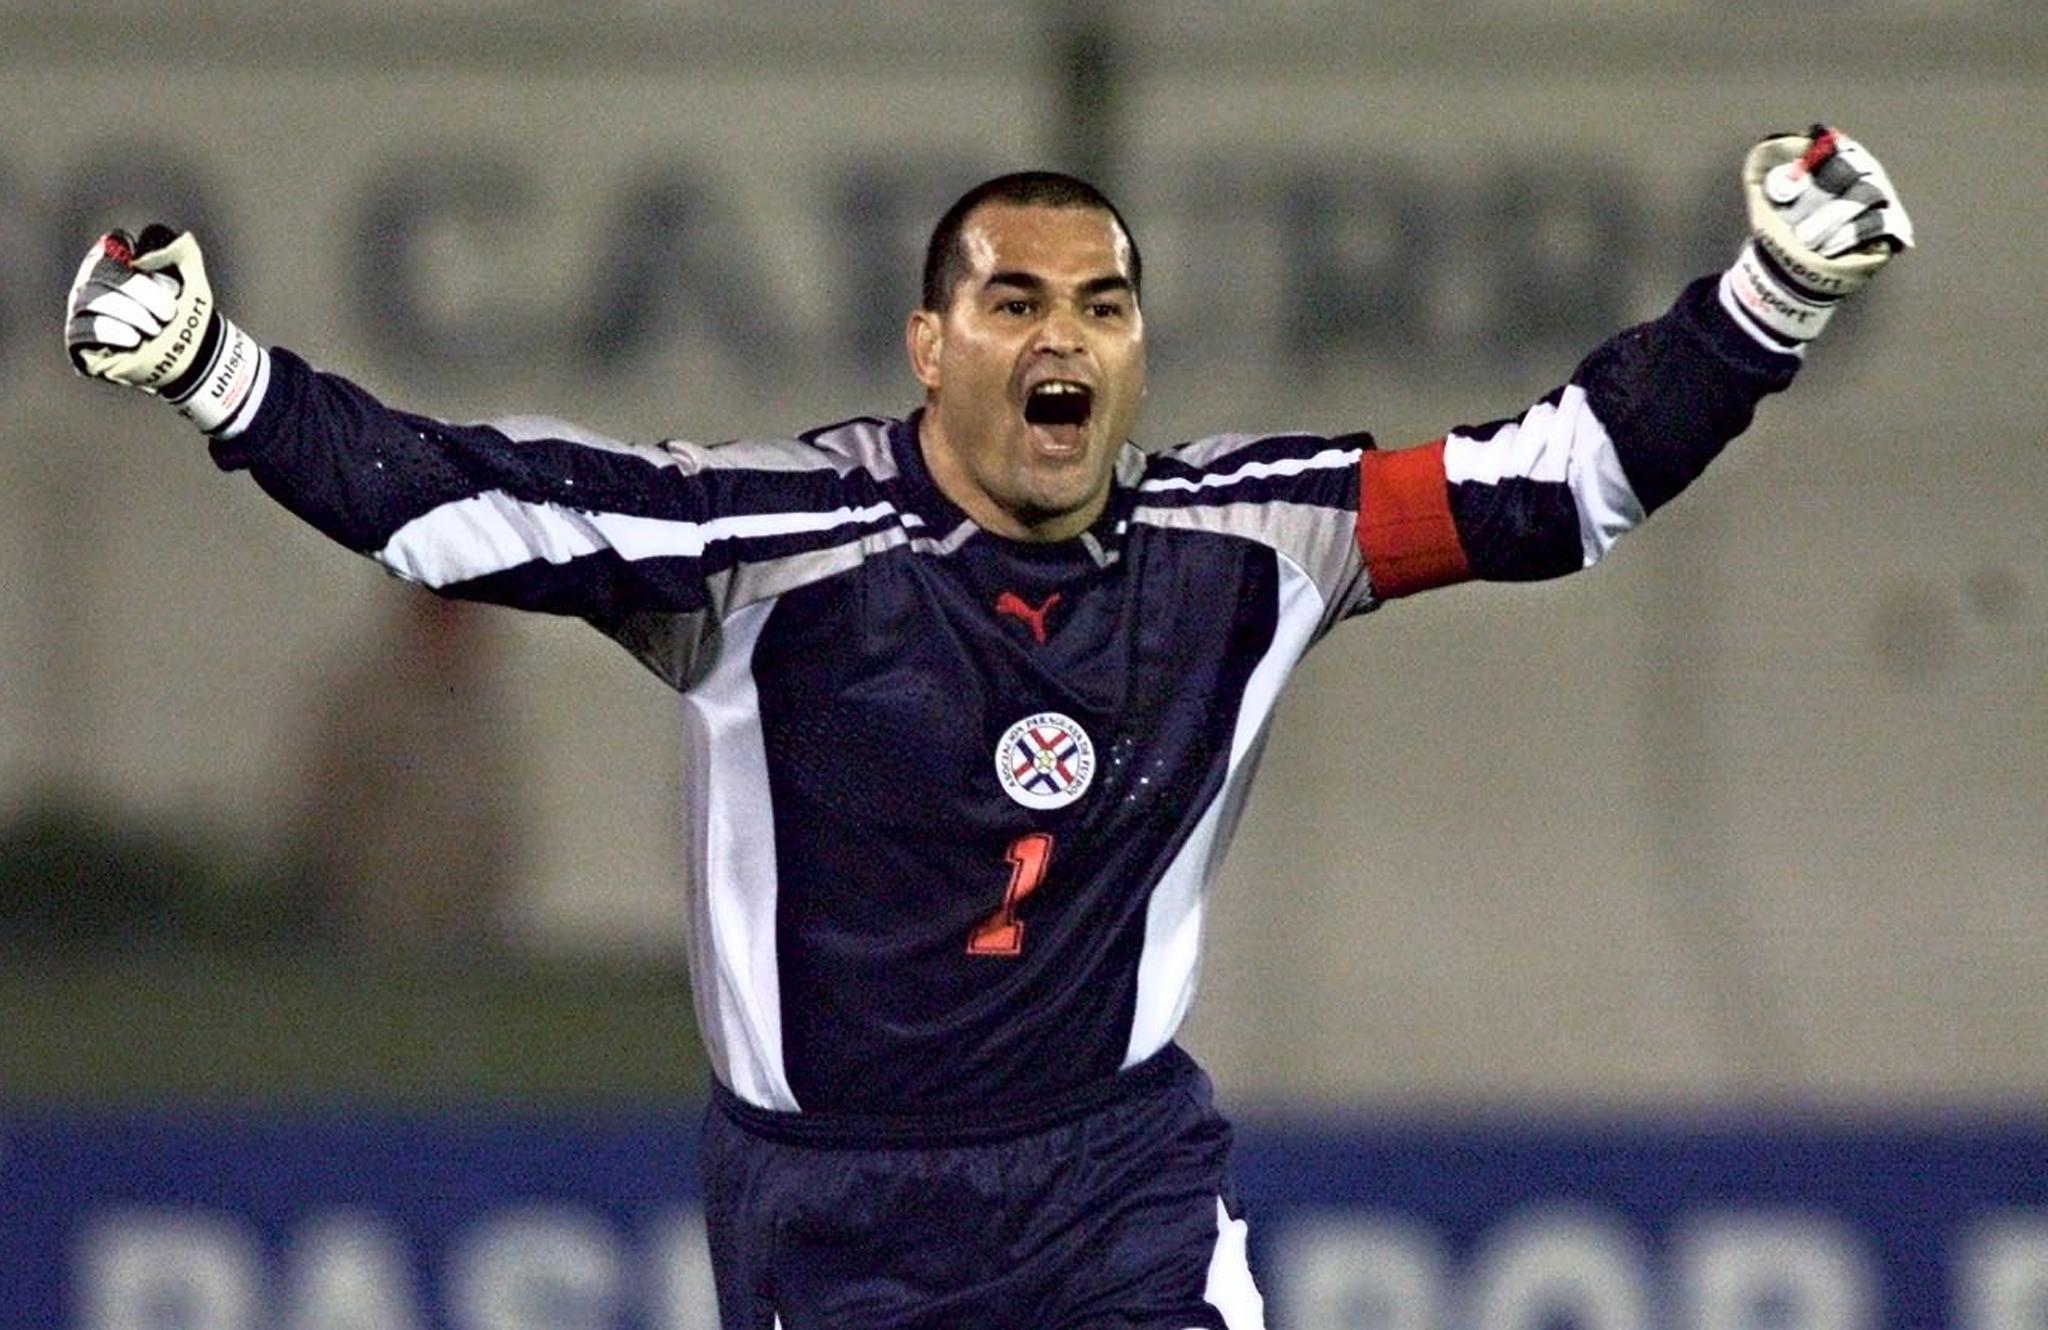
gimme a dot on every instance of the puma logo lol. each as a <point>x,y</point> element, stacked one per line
<point>1012,604</point>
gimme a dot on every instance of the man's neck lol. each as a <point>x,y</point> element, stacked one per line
<point>957,484</point>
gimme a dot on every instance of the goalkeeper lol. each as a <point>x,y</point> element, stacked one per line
<point>971,700</point>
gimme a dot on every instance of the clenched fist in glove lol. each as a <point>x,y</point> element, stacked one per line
<point>141,313</point>
<point>1823,218</point>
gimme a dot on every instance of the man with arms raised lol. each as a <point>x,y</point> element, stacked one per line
<point>971,702</point>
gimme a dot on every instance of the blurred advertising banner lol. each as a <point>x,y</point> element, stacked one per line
<point>636,228</point>
<point>472,1221</point>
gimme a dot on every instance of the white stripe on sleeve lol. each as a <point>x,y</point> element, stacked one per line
<point>1285,466</point>
<point>1557,444</point>
<point>491,532</point>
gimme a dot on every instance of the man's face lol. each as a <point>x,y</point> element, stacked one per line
<point>1034,372</point>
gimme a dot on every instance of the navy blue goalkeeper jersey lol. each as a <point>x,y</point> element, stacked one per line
<point>954,802</point>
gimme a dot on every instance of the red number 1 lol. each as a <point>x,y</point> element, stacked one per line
<point>1002,934</point>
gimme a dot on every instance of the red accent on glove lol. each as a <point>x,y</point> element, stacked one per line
<point>1822,148</point>
<point>1405,530</point>
<point>115,246</point>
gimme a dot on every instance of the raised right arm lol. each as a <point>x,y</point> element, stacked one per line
<point>533,514</point>
<point>530,513</point>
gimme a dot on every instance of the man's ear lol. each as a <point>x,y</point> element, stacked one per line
<point>923,338</point>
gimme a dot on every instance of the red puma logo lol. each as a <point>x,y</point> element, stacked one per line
<point>1013,604</point>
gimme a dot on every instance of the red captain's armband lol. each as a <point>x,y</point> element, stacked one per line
<point>1405,529</point>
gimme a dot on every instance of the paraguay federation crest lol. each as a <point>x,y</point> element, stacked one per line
<point>1045,760</point>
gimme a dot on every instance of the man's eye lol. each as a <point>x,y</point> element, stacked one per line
<point>1106,309</point>
<point>1014,307</point>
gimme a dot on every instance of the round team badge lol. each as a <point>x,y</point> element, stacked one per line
<point>1045,760</point>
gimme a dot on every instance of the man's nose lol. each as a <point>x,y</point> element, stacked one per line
<point>1059,333</point>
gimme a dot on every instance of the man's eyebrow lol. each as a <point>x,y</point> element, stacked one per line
<point>1030,281</point>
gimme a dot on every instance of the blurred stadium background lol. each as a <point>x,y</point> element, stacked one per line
<point>1663,946</point>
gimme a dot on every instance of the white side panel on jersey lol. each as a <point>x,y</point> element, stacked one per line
<point>731,862</point>
<point>1566,444</point>
<point>1170,962</point>
<point>1230,1289</point>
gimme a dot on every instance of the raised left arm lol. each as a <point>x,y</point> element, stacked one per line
<point>1548,492</point>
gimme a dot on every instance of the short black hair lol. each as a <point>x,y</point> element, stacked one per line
<point>945,258</point>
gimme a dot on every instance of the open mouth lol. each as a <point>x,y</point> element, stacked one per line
<point>1060,409</point>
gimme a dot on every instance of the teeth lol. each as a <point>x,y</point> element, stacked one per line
<point>1058,402</point>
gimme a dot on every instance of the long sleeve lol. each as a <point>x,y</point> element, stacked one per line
<point>654,544</point>
<point>543,515</point>
<point>1548,492</point>
<point>533,514</point>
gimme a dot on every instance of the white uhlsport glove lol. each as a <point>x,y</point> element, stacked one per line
<point>1823,218</point>
<point>141,313</point>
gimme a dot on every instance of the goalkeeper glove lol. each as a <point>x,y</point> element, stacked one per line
<point>1823,218</point>
<point>141,313</point>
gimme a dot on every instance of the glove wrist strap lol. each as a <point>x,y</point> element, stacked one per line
<point>228,385</point>
<point>1770,306</point>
